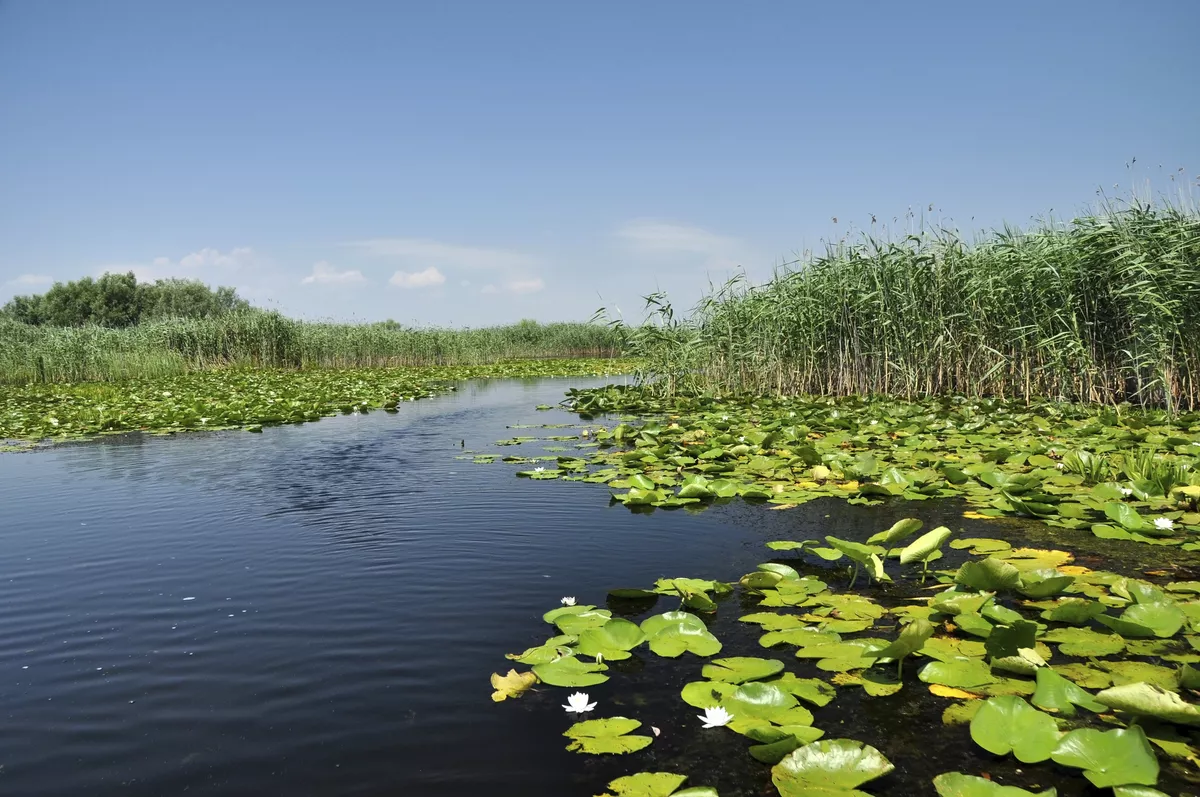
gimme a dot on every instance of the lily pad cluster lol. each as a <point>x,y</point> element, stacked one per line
<point>1063,668</point>
<point>245,399</point>
<point>1118,473</point>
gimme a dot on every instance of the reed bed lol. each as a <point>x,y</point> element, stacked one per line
<point>1104,308</point>
<point>33,354</point>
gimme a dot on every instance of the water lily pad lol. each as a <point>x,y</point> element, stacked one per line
<point>800,637</point>
<point>810,690</point>
<point>762,701</point>
<point>772,621</point>
<point>923,547</point>
<point>1085,642</point>
<point>1043,583</point>
<point>706,694</point>
<point>613,640</point>
<point>963,673</point>
<point>740,669</point>
<point>673,633</point>
<point>911,639</point>
<point>1009,640</point>
<point>981,545</point>
<point>576,623</point>
<point>646,784</point>
<point>956,784</point>
<point>1129,672</point>
<point>1074,611</point>
<point>902,528</point>
<point>989,574</point>
<point>1009,724</point>
<point>570,671</point>
<point>1147,700</point>
<point>1058,695</point>
<point>829,768</point>
<point>1109,758</point>
<point>1161,619</point>
<point>606,736</point>
<point>514,684</point>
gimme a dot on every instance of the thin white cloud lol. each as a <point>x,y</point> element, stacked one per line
<point>661,240</point>
<point>518,286</point>
<point>418,279</point>
<point>325,274</point>
<point>29,281</point>
<point>425,250</point>
<point>207,263</point>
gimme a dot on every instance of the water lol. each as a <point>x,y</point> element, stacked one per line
<point>316,610</point>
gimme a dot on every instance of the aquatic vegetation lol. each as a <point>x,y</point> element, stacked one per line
<point>243,399</point>
<point>1065,668</point>
<point>1002,458</point>
<point>655,784</point>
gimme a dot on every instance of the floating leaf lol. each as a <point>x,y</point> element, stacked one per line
<point>989,574</point>
<point>609,735</point>
<point>1055,693</point>
<point>1074,611</point>
<point>570,671</point>
<point>829,768</point>
<point>956,784</point>
<point>514,684</point>
<point>1043,583</point>
<point>646,784</point>
<point>740,669</point>
<point>1109,758</point>
<point>613,640</point>
<point>1085,642</point>
<point>961,672</point>
<point>1147,700</point>
<point>1009,724</point>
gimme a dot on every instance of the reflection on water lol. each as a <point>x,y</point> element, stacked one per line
<point>315,611</point>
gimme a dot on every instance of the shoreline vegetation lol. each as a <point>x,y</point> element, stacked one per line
<point>160,348</point>
<point>1102,309</point>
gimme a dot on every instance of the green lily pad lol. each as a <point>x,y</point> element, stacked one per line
<point>989,574</point>
<point>570,671</point>
<point>810,690</point>
<point>762,701</point>
<point>829,768</point>
<point>740,669</point>
<point>613,640</point>
<point>1074,611</point>
<point>606,736</point>
<point>960,672</point>
<point>646,784</point>
<point>1119,757</point>
<point>956,784</point>
<point>1085,642</point>
<point>1147,700</point>
<point>1009,640</point>
<point>706,694</point>
<point>911,639</point>
<point>1058,695</point>
<point>1009,724</point>
<point>1043,583</point>
<point>899,530</point>
<point>1161,619</point>
<point>923,547</point>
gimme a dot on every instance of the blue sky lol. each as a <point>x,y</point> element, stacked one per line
<point>474,163</point>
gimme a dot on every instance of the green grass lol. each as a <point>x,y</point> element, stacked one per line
<point>39,354</point>
<point>1104,308</point>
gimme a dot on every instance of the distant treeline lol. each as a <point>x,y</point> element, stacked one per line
<point>119,300</point>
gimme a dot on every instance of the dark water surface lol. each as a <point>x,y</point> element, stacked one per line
<point>316,610</point>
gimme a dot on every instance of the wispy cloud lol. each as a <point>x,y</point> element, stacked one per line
<point>518,286</point>
<point>451,255</point>
<point>325,274</point>
<point>418,279</point>
<point>650,238</point>
<point>29,281</point>
<point>207,263</point>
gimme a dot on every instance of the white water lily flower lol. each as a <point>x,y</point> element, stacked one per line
<point>1126,492</point>
<point>715,717</point>
<point>724,417</point>
<point>1164,523</point>
<point>539,469</point>
<point>599,658</point>
<point>873,423</point>
<point>568,601</point>
<point>742,439</point>
<point>204,420</point>
<point>792,414</point>
<point>1060,466</point>
<point>578,703</point>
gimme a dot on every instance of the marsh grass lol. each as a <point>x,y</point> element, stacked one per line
<point>1104,308</point>
<point>30,354</point>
